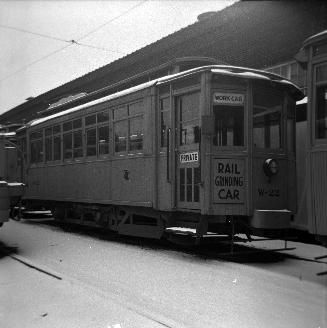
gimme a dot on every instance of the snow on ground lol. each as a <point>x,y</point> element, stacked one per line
<point>191,290</point>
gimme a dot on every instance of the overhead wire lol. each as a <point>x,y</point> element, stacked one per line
<point>33,33</point>
<point>60,39</point>
<point>34,62</point>
<point>71,42</point>
<point>111,20</point>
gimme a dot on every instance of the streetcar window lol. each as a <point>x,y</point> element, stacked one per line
<point>135,126</point>
<point>120,113</point>
<point>189,181</point>
<point>103,117</point>
<point>89,120</point>
<point>229,125</point>
<point>290,125</point>
<point>120,129</point>
<point>48,132</point>
<point>67,126</point>
<point>267,109</point>
<point>57,148</point>
<point>321,73</point>
<point>135,109</point>
<point>77,124</point>
<point>103,140</point>
<point>189,118</point>
<point>57,143</point>
<point>164,120</point>
<point>56,129</point>
<point>128,128</point>
<point>48,144</point>
<point>197,182</point>
<point>77,144</point>
<point>182,185</point>
<point>189,184</point>
<point>321,112</point>
<point>36,151</point>
<point>91,142</point>
<point>68,145</point>
<point>136,133</point>
<point>36,146</point>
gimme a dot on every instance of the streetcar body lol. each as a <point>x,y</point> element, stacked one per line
<point>313,55</point>
<point>196,150</point>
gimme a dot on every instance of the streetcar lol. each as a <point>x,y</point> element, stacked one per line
<point>313,56</point>
<point>10,163</point>
<point>210,150</point>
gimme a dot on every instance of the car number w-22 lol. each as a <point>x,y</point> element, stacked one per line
<point>268,192</point>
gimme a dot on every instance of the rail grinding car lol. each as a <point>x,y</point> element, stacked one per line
<point>211,149</point>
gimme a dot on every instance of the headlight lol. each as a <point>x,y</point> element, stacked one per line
<point>270,167</point>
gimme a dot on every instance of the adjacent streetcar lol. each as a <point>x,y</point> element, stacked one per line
<point>313,56</point>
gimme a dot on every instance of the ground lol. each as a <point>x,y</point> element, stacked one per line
<point>51,277</point>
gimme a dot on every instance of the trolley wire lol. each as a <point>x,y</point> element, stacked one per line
<point>30,32</point>
<point>34,62</point>
<point>70,42</point>
<point>59,39</point>
<point>111,20</point>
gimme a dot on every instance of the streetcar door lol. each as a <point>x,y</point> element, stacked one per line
<point>187,141</point>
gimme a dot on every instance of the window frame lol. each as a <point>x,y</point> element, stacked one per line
<point>128,117</point>
<point>317,84</point>
<point>34,141</point>
<point>283,118</point>
<point>244,92</point>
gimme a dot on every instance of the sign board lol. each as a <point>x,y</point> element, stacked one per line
<point>231,99</point>
<point>189,157</point>
<point>229,181</point>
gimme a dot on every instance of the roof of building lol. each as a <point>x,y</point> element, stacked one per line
<point>256,34</point>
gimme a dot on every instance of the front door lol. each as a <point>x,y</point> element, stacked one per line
<point>187,141</point>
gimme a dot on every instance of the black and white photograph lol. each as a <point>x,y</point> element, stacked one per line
<point>163,164</point>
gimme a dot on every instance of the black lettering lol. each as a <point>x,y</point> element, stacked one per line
<point>236,194</point>
<point>220,168</point>
<point>229,194</point>
<point>219,194</point>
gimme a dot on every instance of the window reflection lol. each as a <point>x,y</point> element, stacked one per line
<point>229,125</point>
<point>321,112</point>
<point>189,118</point>
<point>267,109</point>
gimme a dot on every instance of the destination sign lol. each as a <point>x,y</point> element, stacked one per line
<point>232,99</point>
<point>189,157</point>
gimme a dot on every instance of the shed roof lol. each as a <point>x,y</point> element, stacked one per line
<point>256,34</point>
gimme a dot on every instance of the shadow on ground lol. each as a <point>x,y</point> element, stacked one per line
<point>6,250</point>
<point>215,249</point>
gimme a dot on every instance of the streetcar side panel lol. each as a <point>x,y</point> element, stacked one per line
<point>120,176</point>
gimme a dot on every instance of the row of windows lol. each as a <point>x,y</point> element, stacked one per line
<point>90,136</point>
<point>229,121</point>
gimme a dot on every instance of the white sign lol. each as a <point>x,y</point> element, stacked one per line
<point>189,157</point>
<point>228,98</point>
<point>229,181</point>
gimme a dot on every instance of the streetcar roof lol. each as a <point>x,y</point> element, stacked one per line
<point>315,38</point>
<point>241,72</point>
